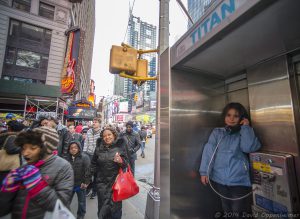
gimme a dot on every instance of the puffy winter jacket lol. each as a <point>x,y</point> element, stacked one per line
<point>58,173</point>
<point>64,139</point>
<point>107,171</point>
<point>230,165</point>
<point>133,143</point>
<point>81,164</point>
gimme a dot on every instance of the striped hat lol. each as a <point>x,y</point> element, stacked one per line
<point>50,138</point>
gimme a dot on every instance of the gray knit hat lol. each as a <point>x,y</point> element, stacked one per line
<point>49,137</point>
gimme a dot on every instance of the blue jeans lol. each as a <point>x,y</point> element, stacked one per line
<point>237,208</point>
<point>143,146</point>
<point>81,202</point>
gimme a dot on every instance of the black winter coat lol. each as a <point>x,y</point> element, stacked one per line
<point>81,165</point>
<point>133,143</point>
<point>58,173</point>
<point>107,171</point>
<point>65,137</point>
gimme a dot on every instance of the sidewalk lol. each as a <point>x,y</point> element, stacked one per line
<point>133,208</point>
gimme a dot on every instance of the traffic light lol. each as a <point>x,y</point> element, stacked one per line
<point>127,62</point>
<point>123,59</point>
<point>136,98</point>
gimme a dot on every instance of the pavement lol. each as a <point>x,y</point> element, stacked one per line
<point>133,208</point>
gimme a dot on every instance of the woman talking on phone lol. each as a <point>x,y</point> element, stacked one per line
<point>225,164</point>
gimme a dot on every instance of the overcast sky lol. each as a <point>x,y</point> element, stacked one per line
<point>111,23</point>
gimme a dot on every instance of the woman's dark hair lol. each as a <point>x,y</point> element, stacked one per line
<point>113,130</point>
<point>31,137</point>
<point>238,107</point>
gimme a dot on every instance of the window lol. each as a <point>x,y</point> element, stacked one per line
<point>46,10</point>
<point>23,5</point>
<point>14,27</point>
<point>10,55</point>
<point>25,80</point>
<point>32,32</point>
<point>5,77</point>
<point>44,62</point>
<point>148,32</point>
<point>148,41</point>
<point>28,59</point>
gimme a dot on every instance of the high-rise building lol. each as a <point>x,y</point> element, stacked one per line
<point>197,8</point>
<point>33,45</point>
<point>82,14</point>
<point>141,35</point>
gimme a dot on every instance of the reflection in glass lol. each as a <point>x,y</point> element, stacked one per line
<point>46,11</point>
<point>5,77</point>
<point>25,80</point>
<point>28,59</point>
<point>10,55</point>
<point>44,62</point>
<point>23,5</point>
<point>14,26</point>
<point>32,32</point>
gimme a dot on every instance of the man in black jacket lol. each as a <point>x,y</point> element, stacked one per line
<point>64,136</point>
<point>133,143</point>
<point>80,163</point>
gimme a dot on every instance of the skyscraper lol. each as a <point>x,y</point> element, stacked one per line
<point>197,8</point>
<point>141,35</point>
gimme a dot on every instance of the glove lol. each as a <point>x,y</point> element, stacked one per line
<point>30,175</point>
<point>11,182</point>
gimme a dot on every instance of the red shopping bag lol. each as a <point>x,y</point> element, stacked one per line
<point>124,186</point>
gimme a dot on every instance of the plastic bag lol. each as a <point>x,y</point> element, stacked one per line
<point>124,186</point>
<point>60,212</point>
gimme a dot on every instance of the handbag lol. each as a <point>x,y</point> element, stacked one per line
<point>125,186</point>
<point>60,212</point>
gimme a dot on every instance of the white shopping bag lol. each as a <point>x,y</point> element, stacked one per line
<point>60,212</point>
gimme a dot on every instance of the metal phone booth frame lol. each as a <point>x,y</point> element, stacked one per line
<point>239,51</point>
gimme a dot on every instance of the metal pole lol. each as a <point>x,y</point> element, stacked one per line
<point>153,199</point>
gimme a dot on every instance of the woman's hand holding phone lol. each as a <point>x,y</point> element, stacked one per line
<point>244,122</point>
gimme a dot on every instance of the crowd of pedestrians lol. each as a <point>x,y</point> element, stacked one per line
<point>49,161</point>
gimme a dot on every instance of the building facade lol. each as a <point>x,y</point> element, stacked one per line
<point>32,48</point>
<point>141,35</point>
<point>196,9</point>
<point>82,14</point>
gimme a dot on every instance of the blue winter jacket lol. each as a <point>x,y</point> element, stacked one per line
<point>230,165</point>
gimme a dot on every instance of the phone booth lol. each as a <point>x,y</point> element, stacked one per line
<point>239,51</point>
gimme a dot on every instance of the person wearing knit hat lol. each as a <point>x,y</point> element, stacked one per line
<point>45,178</point>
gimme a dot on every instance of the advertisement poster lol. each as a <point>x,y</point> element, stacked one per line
<point>123,107</point>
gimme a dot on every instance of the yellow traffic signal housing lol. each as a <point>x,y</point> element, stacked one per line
<point>123,59</point>
<point>136,97</point>
<point>142,68</point>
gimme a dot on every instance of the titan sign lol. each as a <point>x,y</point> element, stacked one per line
<point>210,22</point>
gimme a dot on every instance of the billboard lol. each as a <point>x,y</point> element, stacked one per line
<point>153,104</point>
<point>81,113</point>
<point>123,107</point>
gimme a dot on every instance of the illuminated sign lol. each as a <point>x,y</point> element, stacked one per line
<point>83,105</point>
<point>81,113</point>
<point>92,99</point>
<point>71,68</point>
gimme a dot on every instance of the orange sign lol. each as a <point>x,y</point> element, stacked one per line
<point>92,98</point>
<point>83,105</point>
<point>68,74</point>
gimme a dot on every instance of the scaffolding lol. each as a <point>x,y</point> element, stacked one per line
<point>36,107</point>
